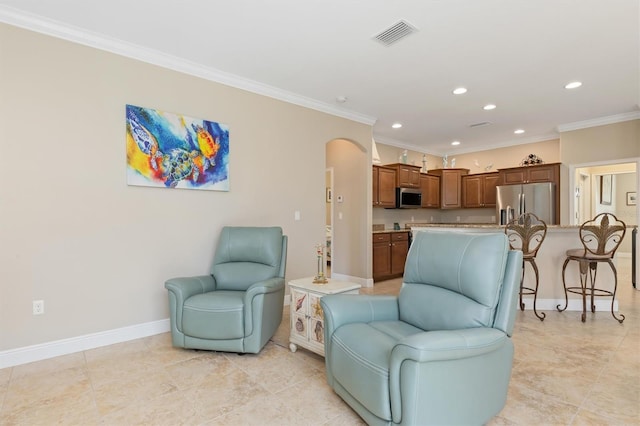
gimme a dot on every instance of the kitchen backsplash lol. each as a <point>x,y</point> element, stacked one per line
<point>388,217</point>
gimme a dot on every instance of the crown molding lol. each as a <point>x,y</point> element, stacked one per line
<point>77,35</point>
<point>457,151</point>
<point>601,121</point>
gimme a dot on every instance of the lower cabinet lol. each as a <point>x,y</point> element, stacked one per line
<point>389,254</point>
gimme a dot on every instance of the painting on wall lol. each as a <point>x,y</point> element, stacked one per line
<point>175,151</point>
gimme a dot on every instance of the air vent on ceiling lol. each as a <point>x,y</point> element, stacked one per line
<point>396,32</point>
<point>482,124</point>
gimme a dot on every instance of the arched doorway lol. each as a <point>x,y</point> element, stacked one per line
<point>349,210</point>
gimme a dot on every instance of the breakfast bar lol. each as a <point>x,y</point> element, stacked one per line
<point>550,259</point>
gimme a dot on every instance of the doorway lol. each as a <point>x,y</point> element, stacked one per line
<point>329,217</point>
<point>608,187</point>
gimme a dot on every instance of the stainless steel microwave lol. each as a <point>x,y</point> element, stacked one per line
<point>408,198</point>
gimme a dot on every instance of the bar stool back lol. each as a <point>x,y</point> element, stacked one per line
<point>601,237</point>
<point>526,233</point>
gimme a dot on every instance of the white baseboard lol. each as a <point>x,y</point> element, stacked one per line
<point>573,305</point>
<point>56,348</point>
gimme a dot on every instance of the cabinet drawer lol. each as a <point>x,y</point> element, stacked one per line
<point>381,238</point>
<point>400,236</point>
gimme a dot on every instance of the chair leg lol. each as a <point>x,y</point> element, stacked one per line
<point>540,315</point>
<point>521,287</point>
<point>584,278</point>
<point>615,288</point>
<point>564,285</point>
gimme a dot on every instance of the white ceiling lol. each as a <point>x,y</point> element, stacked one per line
<point>517,54</point>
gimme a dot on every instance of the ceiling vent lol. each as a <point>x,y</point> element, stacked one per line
<point>397,31</point>
<point>482,124</point>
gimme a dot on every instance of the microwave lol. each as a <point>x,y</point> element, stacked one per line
<point>408,198</point>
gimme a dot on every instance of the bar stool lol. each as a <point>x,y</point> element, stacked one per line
<point>526,233</point>
<point>601,237</point>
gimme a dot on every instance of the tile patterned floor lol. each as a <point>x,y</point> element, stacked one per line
<point>565,373</point>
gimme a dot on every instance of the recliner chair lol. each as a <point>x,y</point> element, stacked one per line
<point>238,307</point>
<point>438,353</point>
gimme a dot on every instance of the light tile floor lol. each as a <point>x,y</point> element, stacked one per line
<point>565,373</point>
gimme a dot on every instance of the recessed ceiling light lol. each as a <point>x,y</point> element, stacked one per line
<point>573,85</point>
<point>454,143</point>
<point>396,125</point>
<point>460,91</point>
<point>519,132</point>
<point>489,107</point>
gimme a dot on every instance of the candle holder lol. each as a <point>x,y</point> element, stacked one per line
<point>320,278</point>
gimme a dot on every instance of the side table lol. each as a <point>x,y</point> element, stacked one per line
<point>306,320</point>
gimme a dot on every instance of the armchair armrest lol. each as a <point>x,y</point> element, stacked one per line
<point>263,287</point>
<point>442,345</point>
<point>184,287</point>
<point>341,309</point>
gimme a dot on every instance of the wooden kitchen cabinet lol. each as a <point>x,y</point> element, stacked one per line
<point>407,176</point>
<point>450,187</point>
<point>479,190</point>
<point>430,185</point>
<point>530,174</point>
<point>389,254</point>
<point>384,187</point>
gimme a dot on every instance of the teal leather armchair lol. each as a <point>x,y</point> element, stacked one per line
<point>238,307</point>
<point>438,353</point>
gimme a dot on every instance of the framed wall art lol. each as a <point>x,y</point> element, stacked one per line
<point>175,151</point>
<point>632,198</point>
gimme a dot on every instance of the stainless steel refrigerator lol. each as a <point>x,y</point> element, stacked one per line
<point>536,198</point>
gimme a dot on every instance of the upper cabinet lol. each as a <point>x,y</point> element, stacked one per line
<point>479,190</point>
<point>430,185</point>
<point>450,187</point>
<point>407,176</point>
<point>384,186</point>
<point>530,174</point>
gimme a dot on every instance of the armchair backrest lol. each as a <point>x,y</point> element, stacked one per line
<point>454,280</point>
<point>246,255</point>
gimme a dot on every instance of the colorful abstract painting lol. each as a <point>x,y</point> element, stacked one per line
<point>176,151</point>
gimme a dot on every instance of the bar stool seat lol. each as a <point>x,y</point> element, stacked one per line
<point>526,233</point>
<point>600,237</point>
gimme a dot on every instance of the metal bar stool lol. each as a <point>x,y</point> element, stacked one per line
<point>526,233</point>
<point>601,237</point>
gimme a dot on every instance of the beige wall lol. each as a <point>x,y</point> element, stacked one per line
<point>511,156</point>
<point>601,143</point>
<point>98,251</point>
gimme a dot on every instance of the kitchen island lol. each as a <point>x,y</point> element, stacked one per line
<point>550,258</point>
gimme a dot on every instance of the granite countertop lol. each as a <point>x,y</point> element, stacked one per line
<point>386,231</point>
<point>477,225</point>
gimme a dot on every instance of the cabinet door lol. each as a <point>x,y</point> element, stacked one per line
<point>514,176</point>
<point>541,174</point>
<point>489,190</point>
<point>399,250</point>
<point>451,194</point>
<point>414,178</point>
<point>316,319</point>
<point>386,187</point>
<point>472,187</point>
<point>381,255</point>
<point>299,312</point>
<point>430,191</point>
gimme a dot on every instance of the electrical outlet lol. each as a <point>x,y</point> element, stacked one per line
<point>38,307</point>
